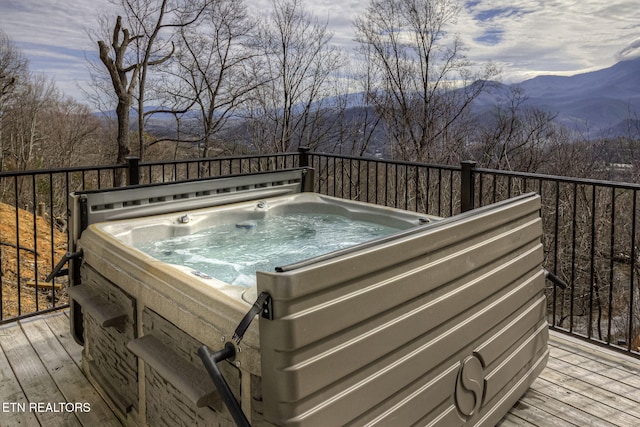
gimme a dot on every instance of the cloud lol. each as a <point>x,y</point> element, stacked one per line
<point>531,37</point>
<point>523,37</point>
<point>491,36</point>
<point>631,51</point>
<point>53,34</point>
<point>61,23</point>
<point>491,21</point>
<point>497,13</point>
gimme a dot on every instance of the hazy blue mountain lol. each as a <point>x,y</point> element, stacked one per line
<point>600,103</point>
<point>603,102</point>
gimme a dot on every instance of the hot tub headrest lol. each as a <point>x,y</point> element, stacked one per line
<point>89,207</point>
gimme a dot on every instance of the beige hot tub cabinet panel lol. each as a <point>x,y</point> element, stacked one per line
<point>444,326</point>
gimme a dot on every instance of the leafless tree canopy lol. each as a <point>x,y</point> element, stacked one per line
<point>236,80</point>
<point>123,85</point>
<point>38,126</point>
<point>13,66</point>
<point>298,63</point>
<point>211,69</point>
<point>422,77</point>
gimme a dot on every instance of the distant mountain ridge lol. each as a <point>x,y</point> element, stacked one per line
<point>601,103</point>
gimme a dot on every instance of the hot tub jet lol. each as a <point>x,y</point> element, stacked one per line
<point>247,225</point>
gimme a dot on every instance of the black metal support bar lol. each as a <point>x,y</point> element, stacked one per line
<point>210,361</point>
<point>304,156</point>
<point>133,170</point>
<point>308,180</point>
<point>467,186</point>
<point>555,279</point>
<point>57,270</point>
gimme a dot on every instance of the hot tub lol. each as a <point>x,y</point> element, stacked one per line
<point>224,246</point>
<point>433,320</point>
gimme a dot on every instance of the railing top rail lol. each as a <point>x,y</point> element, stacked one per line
<point>219,159</point>
<point>377,160</point>
<point>562,179</point>
<point>527,175</point>
<point>523,175</point>
<point>11,174</point>
<point>29,172</point>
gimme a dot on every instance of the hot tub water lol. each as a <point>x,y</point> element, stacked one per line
<point>234,252</point>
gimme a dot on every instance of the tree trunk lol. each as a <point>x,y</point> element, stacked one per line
<point>122,113</point>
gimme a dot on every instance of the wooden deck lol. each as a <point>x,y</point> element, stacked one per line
<point>583,385</point>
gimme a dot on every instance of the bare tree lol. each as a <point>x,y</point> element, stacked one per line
<point>212,63</point>
<point>357,128</point>
<point>516,136</point>
<point>72,135</point>
<point>423,79</point>
<point>123,86</point>
<point>297,64</point>
<point>13,71</point>
<point>128,58</point>
<point>24,133</point>
<point>13,66</point>
<point>149,18</point>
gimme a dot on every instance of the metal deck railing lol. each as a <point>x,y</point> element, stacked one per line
<point>590,226</point>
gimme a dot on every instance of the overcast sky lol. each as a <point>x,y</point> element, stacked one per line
<point>523,37</point>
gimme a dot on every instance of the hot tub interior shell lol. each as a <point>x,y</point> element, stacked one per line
<point>442,324</point>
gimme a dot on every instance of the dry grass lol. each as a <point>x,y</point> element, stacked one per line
<point>24,269</point>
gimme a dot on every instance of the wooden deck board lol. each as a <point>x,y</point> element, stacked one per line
<point>38,386</point>
<point>583,384</point>
<point>60,326</point>
<point>73,385</point>
<point>543,410</point>
<point>11,395</point>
